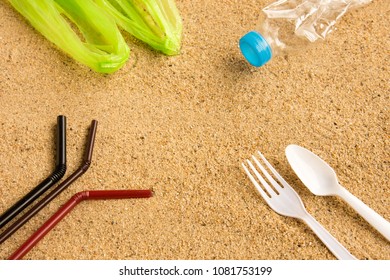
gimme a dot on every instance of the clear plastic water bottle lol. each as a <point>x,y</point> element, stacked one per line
<point>291,24</point>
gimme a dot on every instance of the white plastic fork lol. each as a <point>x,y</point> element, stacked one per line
<point>285,201</point>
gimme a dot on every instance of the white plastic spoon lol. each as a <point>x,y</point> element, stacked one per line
<point>321,179</point>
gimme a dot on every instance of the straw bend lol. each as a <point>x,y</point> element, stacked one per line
<point>57,190</point>
<point>57,174</point>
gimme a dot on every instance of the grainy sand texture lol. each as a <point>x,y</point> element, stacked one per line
<point>183,125</point>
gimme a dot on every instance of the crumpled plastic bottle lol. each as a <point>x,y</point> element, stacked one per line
<point>291,24</point>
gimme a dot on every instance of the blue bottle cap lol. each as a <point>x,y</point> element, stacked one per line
<point>255,49</point>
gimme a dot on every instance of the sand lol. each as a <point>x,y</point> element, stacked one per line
<point>182,126</point>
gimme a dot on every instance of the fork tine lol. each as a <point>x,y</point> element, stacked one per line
<point>266,173</point>
<point>259,189</point>
<point>277,175</point>
<point>266,186</point>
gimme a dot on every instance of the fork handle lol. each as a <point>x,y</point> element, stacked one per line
<point>333,245</point>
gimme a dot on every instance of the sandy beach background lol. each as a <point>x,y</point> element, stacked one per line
<point>182,126</point>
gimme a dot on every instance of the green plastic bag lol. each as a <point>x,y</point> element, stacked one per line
<point>97,43</point>
<point>155,22</point>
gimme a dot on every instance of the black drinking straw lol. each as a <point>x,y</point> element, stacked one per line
<point>57,190</point>
<point>58,173</point>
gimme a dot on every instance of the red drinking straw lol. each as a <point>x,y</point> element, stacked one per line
<point>67,207</point>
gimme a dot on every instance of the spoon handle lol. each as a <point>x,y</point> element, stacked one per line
<point>333,245</point>
<point>372,217</point>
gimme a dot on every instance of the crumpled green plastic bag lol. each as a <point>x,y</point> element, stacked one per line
<point>97,43</point>
<point>155,22</point>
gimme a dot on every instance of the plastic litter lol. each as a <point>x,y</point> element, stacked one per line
<point>68,206</point>
<point>42,187</point>
<point>57,190</point>
<point>155,22</point>
<point>96,42</point>
<point>292,24</point>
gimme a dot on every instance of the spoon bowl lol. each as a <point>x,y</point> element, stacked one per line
<point>315,173</point>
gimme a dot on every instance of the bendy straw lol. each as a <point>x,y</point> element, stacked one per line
<point>82,29</point>
<point>57,174</point>
<point>67,207</point>
<point>57,190</point>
